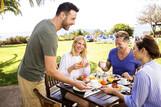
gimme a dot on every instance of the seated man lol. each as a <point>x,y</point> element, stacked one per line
<point>121,58</point>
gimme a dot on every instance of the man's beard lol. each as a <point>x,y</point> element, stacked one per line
<point>65,25</point>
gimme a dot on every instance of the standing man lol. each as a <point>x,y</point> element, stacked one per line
<point>40,55</point>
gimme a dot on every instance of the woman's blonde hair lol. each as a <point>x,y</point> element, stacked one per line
<point>84,52</point>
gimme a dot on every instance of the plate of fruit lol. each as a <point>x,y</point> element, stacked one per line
<point>119,87</point>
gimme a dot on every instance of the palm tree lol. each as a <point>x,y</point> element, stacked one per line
<point>10,5</point>
<point>38,2</point>
<point>14,6</point>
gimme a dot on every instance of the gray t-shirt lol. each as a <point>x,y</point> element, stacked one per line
<point>43,41</point>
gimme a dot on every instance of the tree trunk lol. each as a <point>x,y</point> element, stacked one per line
<point>153,26</point>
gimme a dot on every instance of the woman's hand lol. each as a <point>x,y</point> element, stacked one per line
<point>86,64</point>
<point>79,65</point>
<point>109,90</point>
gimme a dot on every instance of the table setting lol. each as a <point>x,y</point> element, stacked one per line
<point>98,80</point>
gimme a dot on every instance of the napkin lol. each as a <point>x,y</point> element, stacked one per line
<point>91,92</point>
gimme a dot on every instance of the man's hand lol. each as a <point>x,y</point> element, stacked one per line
<point>80,85</point>
<point>127,76</point>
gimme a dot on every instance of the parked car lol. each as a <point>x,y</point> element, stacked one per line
<point>104,39</point>
<point>89,38</point>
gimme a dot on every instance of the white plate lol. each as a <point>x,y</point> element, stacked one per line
<point>94,84</point>
<point>123,88</point>
<point>123,83</point>
<point>91,92</point>
<point>78,90</point>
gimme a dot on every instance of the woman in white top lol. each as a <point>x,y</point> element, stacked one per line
<point>74,64</point>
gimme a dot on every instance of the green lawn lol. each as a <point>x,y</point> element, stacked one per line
<point>11,55</point>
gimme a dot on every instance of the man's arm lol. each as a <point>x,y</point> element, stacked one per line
<point>50,67</point>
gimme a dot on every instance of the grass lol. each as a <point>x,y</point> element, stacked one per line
<point>11,55</point>
<point>9,60</point>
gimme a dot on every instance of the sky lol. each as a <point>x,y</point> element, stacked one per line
<point>93,14</point>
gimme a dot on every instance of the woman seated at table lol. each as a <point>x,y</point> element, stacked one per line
<point>74,64</point>
<point>121,58</point>
<point>146,90</point>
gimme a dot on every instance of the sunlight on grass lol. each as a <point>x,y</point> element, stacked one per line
<point>11,55</point>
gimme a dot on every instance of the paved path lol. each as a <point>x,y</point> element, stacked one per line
<point>10,96</point>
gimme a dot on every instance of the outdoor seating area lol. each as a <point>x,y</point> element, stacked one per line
<point>55,91</point>
<point>110,58</point>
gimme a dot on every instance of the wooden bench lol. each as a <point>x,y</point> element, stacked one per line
<point>54,93</point>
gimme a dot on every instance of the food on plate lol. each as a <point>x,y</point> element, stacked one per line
<point>124,81</point>
<point>92,77</point>
<point>94,84</point>
<point>119,87</point>
<point>103,82</point>
<point>110,79</point>
<point>82,77</point>
<point>116,86</point>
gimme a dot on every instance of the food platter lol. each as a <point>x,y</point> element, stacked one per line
<point>121,88</point>
<point>94,84</point>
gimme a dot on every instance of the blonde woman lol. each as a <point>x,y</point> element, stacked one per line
<point>74,64</point>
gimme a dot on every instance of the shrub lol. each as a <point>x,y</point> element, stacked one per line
<point>1,43</point>
<point>123,27</point>
<point>16,40</point>
<point>93,66</point>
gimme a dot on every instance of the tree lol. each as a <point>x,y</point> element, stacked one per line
<point>14,6</point>
<point>10,5</point>
<point>78,32</point>
<point>38,2</point>
<point>152,16</point>
<point>124,27</point>
<point>97,32</point>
